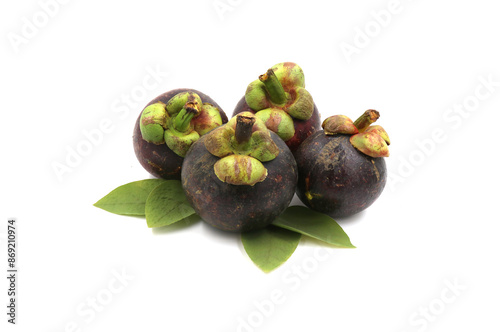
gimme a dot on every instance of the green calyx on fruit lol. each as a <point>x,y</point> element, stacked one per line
<point>181,135</point>
<point>180,122</point>
<point>369,139</point>
<point>177,102</point>
<point>242,144</point>
<point>339,124</point>
<point>208,119</point>
<point>371,144</point>
<point>238,170</point>
<point>281,91</point>
<point>278,121</point>
<point>153,122</point>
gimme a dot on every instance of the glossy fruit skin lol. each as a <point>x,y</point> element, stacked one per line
<point>238,208</point>
<point>159,159</point>
<point>303,129</point>
<point>335,178</point>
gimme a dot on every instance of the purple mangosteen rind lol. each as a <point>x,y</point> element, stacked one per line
<point>158,159</point>
<point>239,207</point>
<point>335,178</point>
<point>341,169</point>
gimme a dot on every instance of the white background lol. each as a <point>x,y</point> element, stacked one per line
<point>427,250</point>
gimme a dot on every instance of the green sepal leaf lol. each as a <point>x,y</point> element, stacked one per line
<point>129,199</point>
<point>178,225</point>
<point>270,247</point>
<point>167,204</point>
<point>314,224</point>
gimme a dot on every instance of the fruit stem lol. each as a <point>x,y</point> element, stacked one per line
<point>183,118</point>
<point>366,119</point>
<point>243,131</point>
<point>273,87</point>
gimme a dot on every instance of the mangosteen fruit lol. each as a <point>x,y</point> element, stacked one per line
<point>169,125</point>
<point>341,168</point>
<point>279,98</point>
<point>240,176</point>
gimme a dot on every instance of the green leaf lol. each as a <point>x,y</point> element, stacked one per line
<point>129,199</point>
<point>177,226</point>
<point>270,247</point>
<point>314,224</point>
<point>167,204</point>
